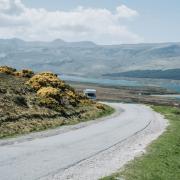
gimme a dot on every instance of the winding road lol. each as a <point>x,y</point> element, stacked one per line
<point>42,157</point>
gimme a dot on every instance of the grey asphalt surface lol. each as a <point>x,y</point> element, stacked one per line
<point>36,159</point>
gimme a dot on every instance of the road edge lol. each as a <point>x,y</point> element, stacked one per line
<point>59,130</point>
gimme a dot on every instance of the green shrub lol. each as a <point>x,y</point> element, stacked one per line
<point>48,102</point>
<point>20,100</point>
<point>24,73</point>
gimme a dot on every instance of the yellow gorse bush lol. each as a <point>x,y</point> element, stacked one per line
<point>7,70</point>
<point>49,88</point>
<point>52,89</point>
<point>100,106</point>
<point>49,92</point>
<point>23,73</point>
<point>71,94</point>
<point>45,79</point>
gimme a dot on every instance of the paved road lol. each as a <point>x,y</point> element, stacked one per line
<point>39,158</point>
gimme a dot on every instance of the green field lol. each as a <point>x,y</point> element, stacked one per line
<point>162,160</point>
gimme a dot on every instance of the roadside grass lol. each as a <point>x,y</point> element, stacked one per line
<point>22,127</point>
<point>162,160</point>
<point>91,114</point>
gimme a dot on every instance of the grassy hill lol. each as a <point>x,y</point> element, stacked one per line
<point>33,102</point>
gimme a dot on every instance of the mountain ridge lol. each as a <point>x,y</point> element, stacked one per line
<point>87,58</point>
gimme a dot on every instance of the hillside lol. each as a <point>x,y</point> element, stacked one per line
<point>87,58</point>
<point>33,102</point>
<point>154,74</point>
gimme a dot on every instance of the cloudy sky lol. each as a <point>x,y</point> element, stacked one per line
<point>101,21</point>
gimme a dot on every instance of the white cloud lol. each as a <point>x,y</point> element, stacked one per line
<point>98,25</point>
<point>11,6</point>
<point>125,12</point>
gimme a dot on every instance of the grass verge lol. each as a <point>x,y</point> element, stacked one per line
<point>20,127</point>
<point>91,114</point>
<point>162,160</point>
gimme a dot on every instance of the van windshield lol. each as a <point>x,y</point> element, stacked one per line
<point>91,95</point>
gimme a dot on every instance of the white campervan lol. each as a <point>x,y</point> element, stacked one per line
<point>90,93</point>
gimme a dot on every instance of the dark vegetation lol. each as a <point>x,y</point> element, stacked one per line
<point>162,160</point>
<point>33,102</point>
<point>154,74</point>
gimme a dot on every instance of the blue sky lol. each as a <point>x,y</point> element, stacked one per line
<point>127,21</point>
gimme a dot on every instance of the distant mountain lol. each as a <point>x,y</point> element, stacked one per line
<point>87,58</point>
<point>59,43</point>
